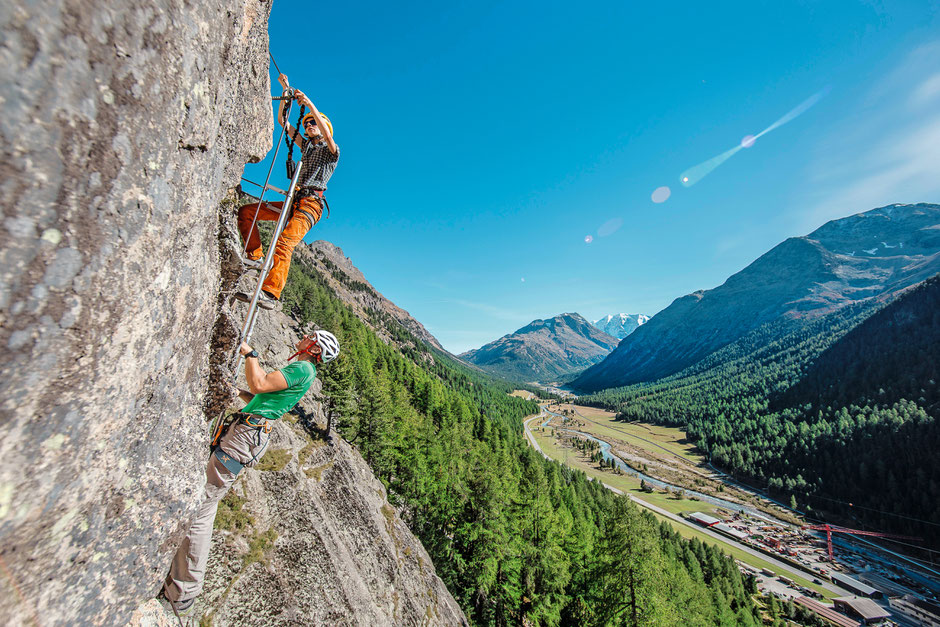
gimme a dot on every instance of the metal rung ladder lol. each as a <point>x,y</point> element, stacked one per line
<point>249,324</point>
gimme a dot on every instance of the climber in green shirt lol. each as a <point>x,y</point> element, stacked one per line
<point>270,395</point>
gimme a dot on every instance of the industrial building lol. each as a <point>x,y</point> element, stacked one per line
<point>856,586</point>
<point>926,612</point>
<point>827,613</point>
<point>703,519</point>
<point>865,609</point>
<point>730,531</point>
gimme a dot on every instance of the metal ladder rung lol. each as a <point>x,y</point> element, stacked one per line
<point>271,187</point>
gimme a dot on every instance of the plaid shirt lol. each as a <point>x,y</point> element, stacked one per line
<point>318,165</point>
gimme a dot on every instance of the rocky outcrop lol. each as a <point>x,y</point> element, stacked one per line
<point>355,291</point>
<point>122,126</point>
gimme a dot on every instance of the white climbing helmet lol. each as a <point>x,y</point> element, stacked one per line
<point>329,345</point>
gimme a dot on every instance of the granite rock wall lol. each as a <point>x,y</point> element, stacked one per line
<point>122,126</point>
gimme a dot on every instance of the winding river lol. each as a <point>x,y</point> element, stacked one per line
<point>714,500</point>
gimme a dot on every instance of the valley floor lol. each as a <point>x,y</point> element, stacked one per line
<point>664,505</point>
<point>679,482</point>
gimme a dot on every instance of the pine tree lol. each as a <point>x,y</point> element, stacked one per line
<point>339,406</point>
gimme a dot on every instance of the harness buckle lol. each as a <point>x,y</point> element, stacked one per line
<point>258,422</point>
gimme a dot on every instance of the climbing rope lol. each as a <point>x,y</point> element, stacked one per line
<point>274,62</point>
<point>292,141</point>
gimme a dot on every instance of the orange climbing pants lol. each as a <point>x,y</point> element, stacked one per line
<point>307,212</point>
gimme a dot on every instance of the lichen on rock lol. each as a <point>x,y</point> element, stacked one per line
<point>122,127</point>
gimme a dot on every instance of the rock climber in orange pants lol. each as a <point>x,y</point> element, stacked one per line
<point>320,155</point>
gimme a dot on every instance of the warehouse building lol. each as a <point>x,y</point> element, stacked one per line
<point>730,531</point>
<point>826,613</point>
<point>856,586</point>
<point>867,610</point>
<point>703,519</point>
<point>926,612</point>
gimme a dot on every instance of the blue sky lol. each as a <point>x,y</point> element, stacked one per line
<point>483,143</point>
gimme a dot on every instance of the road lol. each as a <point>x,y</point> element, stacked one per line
<point>781,567</point>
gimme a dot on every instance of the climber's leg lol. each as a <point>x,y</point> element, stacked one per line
<point>187,572</point>
<point>249,231</point>
<point>307,212</point>
<point>189,564</point>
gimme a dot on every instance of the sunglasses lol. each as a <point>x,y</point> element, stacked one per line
<point>310,122</point>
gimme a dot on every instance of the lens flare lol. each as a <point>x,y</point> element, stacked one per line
<point>610,227</point>
<point>697,172</point>
<point>661,194</point>
<point>588,239</point>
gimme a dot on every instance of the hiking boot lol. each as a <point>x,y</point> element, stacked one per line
<point>180,608</point>
<point>265,300</point>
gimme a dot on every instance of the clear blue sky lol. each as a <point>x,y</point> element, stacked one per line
<point>482,143</point>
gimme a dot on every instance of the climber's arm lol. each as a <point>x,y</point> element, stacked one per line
<point>324,129</point>
<point>260,382</point>
<point>282,113</point>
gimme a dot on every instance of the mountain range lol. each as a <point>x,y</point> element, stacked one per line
<point>620,325</point>
<point>544,350</point>
<point>868,258</point>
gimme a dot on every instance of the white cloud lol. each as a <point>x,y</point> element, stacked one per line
<point>886,152</point>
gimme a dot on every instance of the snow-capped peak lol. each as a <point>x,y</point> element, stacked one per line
<point>620,325</point>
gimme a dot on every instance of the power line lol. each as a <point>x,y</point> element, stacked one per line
<point>871,509</point>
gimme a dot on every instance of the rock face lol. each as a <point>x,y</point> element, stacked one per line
<point>544,350</point>
<point>123,125</point>
<point>870,256</point>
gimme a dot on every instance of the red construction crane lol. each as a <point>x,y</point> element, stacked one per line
<point>830,529</point>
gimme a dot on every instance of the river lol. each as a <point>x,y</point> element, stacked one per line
<point>714,500</point>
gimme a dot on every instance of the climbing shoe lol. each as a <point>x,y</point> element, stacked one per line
<point>265,300</point>
<point>180,608</point>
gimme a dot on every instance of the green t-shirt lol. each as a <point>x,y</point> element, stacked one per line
<point>273,405</point>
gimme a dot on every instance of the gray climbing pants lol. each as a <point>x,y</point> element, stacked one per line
<point>244,443</point>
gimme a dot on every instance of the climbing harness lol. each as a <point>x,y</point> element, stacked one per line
<point>259,423</point>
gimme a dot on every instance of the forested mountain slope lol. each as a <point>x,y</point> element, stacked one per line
<point>841,414</point>
<point>354,290</point>
<point>516,539</point>
<point>544,350</point>
<point>868,257</point>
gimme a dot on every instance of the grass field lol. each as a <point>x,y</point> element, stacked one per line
<point>525,394</point>
<point>631,485</point>
<point>626,483</point>
<point>649,437</point>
